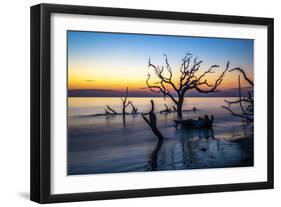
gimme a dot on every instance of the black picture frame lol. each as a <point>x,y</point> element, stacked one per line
<point>41,98</point>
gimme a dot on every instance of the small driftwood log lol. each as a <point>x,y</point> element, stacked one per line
<point>152,121</point>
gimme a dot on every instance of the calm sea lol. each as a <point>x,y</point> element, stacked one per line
<point>110,144</point>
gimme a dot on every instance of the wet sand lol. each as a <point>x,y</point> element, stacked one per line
<point>109,144</point>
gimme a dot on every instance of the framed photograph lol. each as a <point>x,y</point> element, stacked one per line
<point>133,103</point>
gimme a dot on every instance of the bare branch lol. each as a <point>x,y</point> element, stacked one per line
<point>217,83</point>
<point>159,89</point>
<point>244,74</point>
<point>159,73</point>
<point>237,101</point>
<point>238,115</point>
<point>189,73</point>
<point>240,102</point>
<point>134,109</point>
<point>110,109</point>
<point>168,67</point>
<point>206,72</point>
<point>188,79</point>
<point>166,110</point>
<point>246,114</point>
<point>125,102</point>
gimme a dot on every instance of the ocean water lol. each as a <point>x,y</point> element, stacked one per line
<point>111,144</point>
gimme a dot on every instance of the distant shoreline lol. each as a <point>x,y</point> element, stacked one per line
<point>91,93</point>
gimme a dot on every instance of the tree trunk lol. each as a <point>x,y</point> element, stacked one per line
<point>152,122</point>
<point>179,108</point>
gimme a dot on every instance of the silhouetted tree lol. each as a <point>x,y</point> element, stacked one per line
<point>246,103</point>
<point>167,109</point>
<point>187,80</point>
<point>125,102</point>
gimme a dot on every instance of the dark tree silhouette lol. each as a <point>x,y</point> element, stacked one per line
<point>125,102</point>
<point>110,110</point>
<point>188,79</point>
<point>134,109</point>
<point>152,121</point>
<point>246,103</point>
<point>168,109</point>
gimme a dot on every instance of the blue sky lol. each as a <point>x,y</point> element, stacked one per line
<point>91,52</point>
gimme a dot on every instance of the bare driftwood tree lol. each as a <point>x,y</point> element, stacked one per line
<point>125,104</point>
<point>152,121</point>
<point>168,109</point>
<point>246,104</point>
<point>188,79</point>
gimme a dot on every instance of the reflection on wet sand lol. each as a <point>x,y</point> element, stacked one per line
<point>200,149</point>
<point>153,161</point>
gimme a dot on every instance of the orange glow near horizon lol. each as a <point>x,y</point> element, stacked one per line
<point>106,79</point>
<point>98,60</point>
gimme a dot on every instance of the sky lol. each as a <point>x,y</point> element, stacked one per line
<point>100,61</point>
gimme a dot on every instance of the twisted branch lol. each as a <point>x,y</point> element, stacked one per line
<point>246,114</point>
<point>188,79</point>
